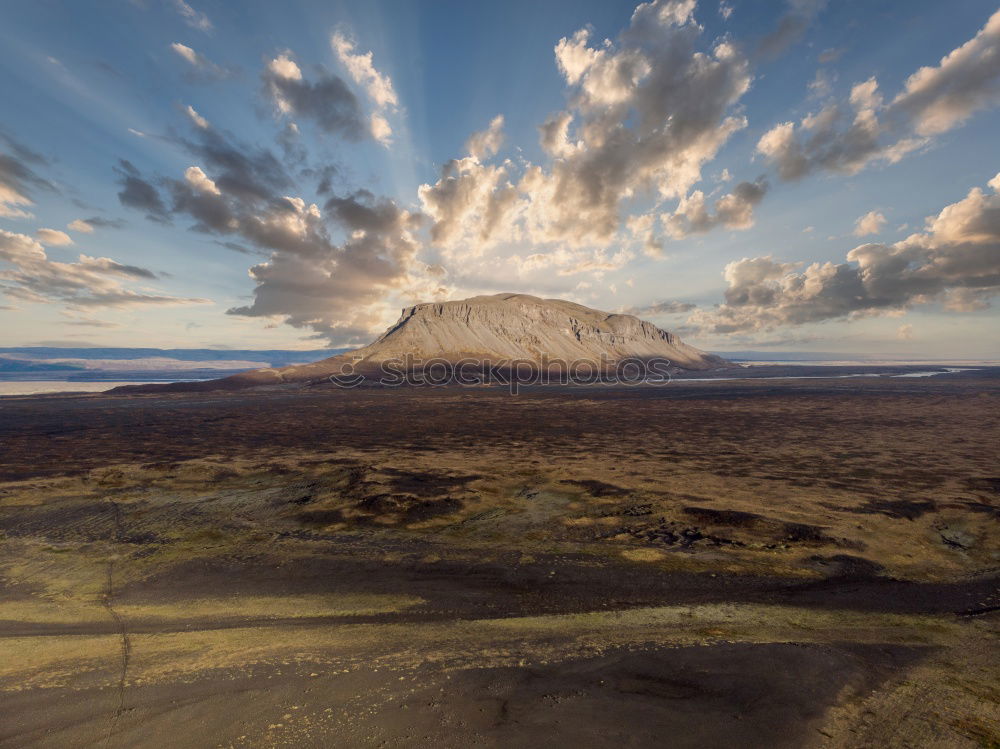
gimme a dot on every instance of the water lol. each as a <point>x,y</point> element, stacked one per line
<point>928,373</point>
<point>40,387</point>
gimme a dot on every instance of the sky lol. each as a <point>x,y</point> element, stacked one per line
<point>788,175</point>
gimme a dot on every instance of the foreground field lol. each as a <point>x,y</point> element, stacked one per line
<point>713,564</point>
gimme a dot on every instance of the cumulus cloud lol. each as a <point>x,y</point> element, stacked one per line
<point>337,290</point>
<point>473,205</point>
<point>871,223</point>
<point>79,225</point>
<point>847,136</point>
<point>193,18</point>
<point>329,102</point>
<point>376,85</point>
<point>936,99</point>
<point>18,179</point>
<point>53,237</point>
<point>955,261</point>
<point>645,114</point>
<point>88,283</point>
<point>362,70</point>
<point>487,142</point>
<point>329,269</point>
<point>733,210</point>
<point>905,332</point>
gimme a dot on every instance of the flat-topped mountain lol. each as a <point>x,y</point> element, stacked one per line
<point>519,326</point>
<point>491,329</point>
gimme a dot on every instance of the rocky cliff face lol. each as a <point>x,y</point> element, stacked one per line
<point>494,329</point>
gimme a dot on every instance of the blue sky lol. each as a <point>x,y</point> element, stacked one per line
<point>716,162</point>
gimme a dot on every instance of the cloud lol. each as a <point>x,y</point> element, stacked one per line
<point>330,269</point>
<point>329,102</point>
<point>662,308</point>
<point>871,223</point>
<point>644,116</point>
<point>204,69</point>
<point>87,225</point>
<point>139,194</point>
<point>905,332</point>
<point>733,210</point>
<point>196,118</point>
<point>831,54</point>
<point>487,142</point>
<point>472,206</point>
<point>53,237</point>
<point>193,18</point>
<point>197,179</point>
<point>88,283</point>
<point>725,10</point>
<point>377,85</point>
<point>846,137</point>
<point>791,27</point>
<point>821,85</point>
<point>18,180</point>
<point>567,261</point>
<point>955,261</point>
<point>337,290</point>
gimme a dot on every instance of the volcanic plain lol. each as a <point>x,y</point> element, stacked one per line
<point>800,563</point>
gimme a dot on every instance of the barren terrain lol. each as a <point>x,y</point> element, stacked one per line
<point>779,563</point>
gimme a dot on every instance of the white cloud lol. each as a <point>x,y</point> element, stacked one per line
<point>186,52</point>
<point>377,86</point>
<point>88,283</point>
<point>284,67</point>
<point>53,237</point>
<point>327,100</point>
<point>10,202</point>
<point>905,332</point>
<point>381,130</point>
<point>200,181</point>
<point>196,118</point>
<point>193,18</point>
<point>18,179</point>
<point>871,223</point>
<point>204,69</point>
<point>362,70</point>
<point>967,79</point>
<point>733,210</point>
<point>487,142</point>
<point>955,261</point>
<point>846,137</point>
<point>645,114</point>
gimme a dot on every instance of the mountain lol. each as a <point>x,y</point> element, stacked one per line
<point>494,330</point>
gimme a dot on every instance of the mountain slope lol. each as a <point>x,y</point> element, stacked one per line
<point>494,329</point>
